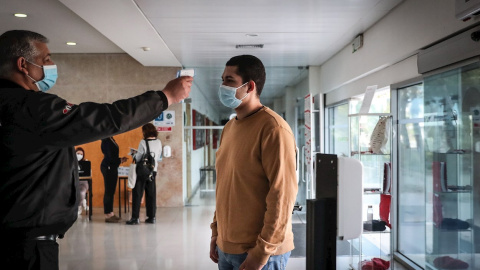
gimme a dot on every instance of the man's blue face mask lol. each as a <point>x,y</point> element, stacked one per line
<point>227,96</point>
<point>49,79</point>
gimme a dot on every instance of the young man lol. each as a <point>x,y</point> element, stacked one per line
<point>256,180</point>
<point>38,132</point>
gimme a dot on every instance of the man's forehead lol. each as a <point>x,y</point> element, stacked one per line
<point>230,71</point>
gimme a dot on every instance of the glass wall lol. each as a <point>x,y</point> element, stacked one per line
<point>411,184</point>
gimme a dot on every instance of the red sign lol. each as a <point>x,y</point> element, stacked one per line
<point>163,129</point>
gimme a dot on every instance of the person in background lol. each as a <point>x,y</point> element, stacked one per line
<point>150,134</point>
<point>38,133</point>
<point>256,180</point>
<point>84,168</point>
<point>109,168</point>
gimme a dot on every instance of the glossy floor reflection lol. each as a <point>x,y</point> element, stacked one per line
<point>179,240</point>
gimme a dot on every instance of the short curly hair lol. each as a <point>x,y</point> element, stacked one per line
<point>249,68</point>
<point>149,130</point>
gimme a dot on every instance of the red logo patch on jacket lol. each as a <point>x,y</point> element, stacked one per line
<point>68,108</point>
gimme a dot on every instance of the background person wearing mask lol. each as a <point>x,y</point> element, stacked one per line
<point>256,179</point>
<point>109,168</point>
<point>150,135</point>
<point>38,132</point>
<point>84,168</point>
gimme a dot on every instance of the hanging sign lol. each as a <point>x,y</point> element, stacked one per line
<point>308,132</point>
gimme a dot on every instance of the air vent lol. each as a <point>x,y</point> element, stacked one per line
<point>249,46</point>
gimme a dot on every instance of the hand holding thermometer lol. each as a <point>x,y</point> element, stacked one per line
<point>185,72</point>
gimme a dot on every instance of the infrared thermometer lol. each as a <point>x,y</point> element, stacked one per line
<point>185,72</point>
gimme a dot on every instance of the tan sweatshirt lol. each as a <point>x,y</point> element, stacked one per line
<point>256,186</point>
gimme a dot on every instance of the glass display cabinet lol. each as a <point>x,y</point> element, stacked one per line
<point>370,142</point>
<point>452,162</point>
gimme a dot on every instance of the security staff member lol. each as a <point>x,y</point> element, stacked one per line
<point>38,132</point>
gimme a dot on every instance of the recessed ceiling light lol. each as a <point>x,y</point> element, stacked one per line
<point>20,15</point>
<point>71,43</point>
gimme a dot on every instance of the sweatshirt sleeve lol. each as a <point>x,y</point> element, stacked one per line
<point>61,124</point>
<point>278,161</point>
<point>213,225</point>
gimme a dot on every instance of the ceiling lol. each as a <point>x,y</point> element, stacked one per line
<point>203,34</point>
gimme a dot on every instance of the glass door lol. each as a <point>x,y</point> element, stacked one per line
<point>411,171</point>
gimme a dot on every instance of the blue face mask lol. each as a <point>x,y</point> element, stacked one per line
<point>227,96</point>
<point>49,79</point>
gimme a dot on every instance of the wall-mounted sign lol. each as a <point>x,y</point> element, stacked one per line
<point>164,129</point>
<point>165,119</point>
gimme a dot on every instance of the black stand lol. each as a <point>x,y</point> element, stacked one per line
<point>322,216</point>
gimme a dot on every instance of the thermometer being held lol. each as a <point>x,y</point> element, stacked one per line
<point>185,72</point>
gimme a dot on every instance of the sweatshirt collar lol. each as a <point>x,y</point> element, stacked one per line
<point>251,116</point>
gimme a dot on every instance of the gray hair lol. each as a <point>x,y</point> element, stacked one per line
<point>15,44</point>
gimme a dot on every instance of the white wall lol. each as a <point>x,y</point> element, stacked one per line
<point>389,52</point>
<point>198,161</point>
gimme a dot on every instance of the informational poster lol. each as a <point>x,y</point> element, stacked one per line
<point>123,171</point>
<point>165,121</point>
<point>198,119</point>
<point>215,138</point>
<point>475,111</point>
<point>164,129</point>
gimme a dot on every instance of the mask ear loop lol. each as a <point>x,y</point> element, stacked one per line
<point>34,81</point>
<point>246,93</point>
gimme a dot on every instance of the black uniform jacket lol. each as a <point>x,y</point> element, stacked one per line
<point>38,165</point>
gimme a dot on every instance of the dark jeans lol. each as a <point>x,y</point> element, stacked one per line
<point>31,255</point>
<point>110,178</point>
<point>150,197</point>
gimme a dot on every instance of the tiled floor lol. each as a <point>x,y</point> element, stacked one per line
<point>179,240</point>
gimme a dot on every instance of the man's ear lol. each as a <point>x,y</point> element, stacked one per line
<point>21,65</point>
<point>251,86</point>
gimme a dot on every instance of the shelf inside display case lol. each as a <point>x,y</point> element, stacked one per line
<point>372,192</point>
<point>452,192</point>
<point>367,153</point>
<point>370,143</point>
<point>387,230</point>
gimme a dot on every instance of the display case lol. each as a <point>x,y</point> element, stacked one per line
<point>451,129</point>
<point>370,142</point>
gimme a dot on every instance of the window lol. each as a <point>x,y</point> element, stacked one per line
<point>337,130</point>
